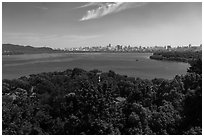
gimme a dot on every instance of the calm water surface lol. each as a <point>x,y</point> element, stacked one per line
<point>123,63</point>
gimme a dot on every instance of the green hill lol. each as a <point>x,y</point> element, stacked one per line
<point>10,49</point>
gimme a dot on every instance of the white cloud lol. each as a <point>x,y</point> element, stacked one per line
<point>91,4</point>
<point>107,8</point>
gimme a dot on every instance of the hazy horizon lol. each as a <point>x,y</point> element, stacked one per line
<point>70,24</point>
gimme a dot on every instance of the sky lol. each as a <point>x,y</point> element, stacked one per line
<point>69,24</point>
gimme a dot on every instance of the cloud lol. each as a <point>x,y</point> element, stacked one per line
<point>90,4</point>
<point>107,8</point>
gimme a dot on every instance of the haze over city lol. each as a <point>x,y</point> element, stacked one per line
<point>66,25</point>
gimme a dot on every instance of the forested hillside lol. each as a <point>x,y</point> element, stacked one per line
<point>11,49</point>
<point>80,102</point>
<point>181,56</point>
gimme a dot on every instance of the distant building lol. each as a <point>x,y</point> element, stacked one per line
<point>168,47</point>
<point>108,47</point>
<point>119,47</point>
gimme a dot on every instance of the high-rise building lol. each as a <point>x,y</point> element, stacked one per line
<point>168,47</point>
<point>119,47</point>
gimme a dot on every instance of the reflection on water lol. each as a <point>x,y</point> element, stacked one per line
<point>131,64</point>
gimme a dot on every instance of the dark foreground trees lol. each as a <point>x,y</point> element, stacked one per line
<point>76,102</point>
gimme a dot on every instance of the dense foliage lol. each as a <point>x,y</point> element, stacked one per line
<point>80,102</point>
<point>182,56</point>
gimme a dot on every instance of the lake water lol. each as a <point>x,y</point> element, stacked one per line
<point>130,64</point>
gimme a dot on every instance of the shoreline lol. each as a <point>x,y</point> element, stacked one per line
<point>161,58</point>
<point>77,52</point>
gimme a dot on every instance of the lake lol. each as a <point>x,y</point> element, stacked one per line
<point>130,64</point>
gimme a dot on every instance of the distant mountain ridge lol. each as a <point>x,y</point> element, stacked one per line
<point>11,49</point>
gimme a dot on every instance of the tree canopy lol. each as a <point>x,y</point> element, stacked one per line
<point>75,102</point>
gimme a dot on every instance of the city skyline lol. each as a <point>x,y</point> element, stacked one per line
<point>67,25</point>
